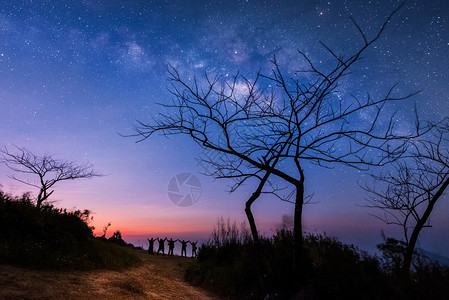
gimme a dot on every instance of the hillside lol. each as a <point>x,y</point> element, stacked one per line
<point>156,277</point>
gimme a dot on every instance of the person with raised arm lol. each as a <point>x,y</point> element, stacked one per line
<point>151,245</point>
<point>161,246</point>
<point>183,247</point>
<point>194,248</point>
<point>171,246</point>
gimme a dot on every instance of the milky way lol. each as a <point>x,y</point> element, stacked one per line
<point>77,74</point>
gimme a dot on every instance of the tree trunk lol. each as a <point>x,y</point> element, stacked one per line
<point>251,221</point>
<point>42,197</point>
<point>408,256</point>
<point>298,255</point>
<point>39,198</point>
<point>254,233</point>
<point>410,249</point>
<point>249,214</point>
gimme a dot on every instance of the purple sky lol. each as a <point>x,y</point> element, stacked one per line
<point>76,73</point>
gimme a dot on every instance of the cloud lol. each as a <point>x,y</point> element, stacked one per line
<point>134,56</point>
<point>199,65</point>
<point>100,41</point>
<point>136,52</point>
<point>6,26</point>
<point>243,41</point>
<point>230,42</point>
<point>241,90</point>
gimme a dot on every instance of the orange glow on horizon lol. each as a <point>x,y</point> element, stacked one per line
<point>153,225</point>
<point>153,230</point>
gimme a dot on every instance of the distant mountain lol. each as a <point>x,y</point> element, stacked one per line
<point>442,260</point>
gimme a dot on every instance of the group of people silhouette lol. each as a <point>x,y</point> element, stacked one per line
<point>171,246</point>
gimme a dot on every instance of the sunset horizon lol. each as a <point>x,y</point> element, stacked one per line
<point>319,128</point>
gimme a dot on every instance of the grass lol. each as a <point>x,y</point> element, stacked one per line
<point>131,286</point>
<point>53,238</point>
<point>230,267</point>
<point>154,277</point>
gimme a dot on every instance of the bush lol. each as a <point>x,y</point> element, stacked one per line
<point>227,264</point>
<point>230,266</point>
<point>116,238</point>
<point>50,237</point>
<point>103,254</point>
<point>343,270</point>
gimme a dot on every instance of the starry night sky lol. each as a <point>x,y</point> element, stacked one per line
<point>77,74</point>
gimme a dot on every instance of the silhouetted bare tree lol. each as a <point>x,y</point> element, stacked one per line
<point>48,170</point>
<point>275,124</point>
<point>408,194</point>
<point>225,167</point>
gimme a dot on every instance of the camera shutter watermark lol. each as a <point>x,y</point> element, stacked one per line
<point>184,190</point>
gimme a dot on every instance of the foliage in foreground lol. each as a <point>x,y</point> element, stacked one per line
<point>52,238</point>
<point>229,266</point>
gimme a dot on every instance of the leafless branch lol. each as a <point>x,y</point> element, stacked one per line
<point>48,170</point>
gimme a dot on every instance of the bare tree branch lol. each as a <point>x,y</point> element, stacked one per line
<point>258,132</point>
<point>48,170</point>
<point>407,195</point>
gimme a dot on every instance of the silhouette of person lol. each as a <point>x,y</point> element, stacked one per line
<point>171,246</point>
<point>184,247</point>
<point>194,248</point>
<point>161,246</point>
<point>150,246</point>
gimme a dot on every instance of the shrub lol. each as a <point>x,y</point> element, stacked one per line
<point>116,238</point>
<point>49,237</point>
<point>230,266</point>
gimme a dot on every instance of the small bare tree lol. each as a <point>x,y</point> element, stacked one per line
<point>105,229</point>
<point>407,195</point>
<point>48,170</point>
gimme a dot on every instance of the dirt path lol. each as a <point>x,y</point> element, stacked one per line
<point>156,277</point>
